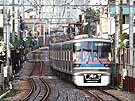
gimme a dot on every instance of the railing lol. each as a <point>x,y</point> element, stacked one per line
<point>124,61</point>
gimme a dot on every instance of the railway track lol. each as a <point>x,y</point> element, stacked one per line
<point>40,89</point>
<point>101,95</point>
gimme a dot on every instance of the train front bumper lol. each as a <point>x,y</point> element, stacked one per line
<point>83,80</point>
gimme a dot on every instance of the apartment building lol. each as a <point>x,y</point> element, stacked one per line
<point>112,12</point>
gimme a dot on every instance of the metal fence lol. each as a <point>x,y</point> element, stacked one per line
<point>125,67</point>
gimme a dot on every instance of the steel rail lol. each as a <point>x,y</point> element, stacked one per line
<point>93,95</point>
<point>37,92</point>
<point>31,91</point>
<point>48,90</point>
<point>32,70</point>
<point>103,91</point>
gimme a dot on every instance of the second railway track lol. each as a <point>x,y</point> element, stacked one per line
<point>40,90</point>
<point>101,95</point>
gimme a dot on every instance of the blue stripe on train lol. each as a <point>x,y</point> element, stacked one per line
<point>92,65</point>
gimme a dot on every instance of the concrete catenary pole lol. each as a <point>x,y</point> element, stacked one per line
<point>109,20</point>
<point>13,23</point>
<point>131,30</point>
<point>100,23</point>
<point>121,28</point>
<point>116,31</point>
<point>4,20</point>
<point>8,38</point>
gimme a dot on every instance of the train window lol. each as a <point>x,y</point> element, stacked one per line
<point>56,55</point>
<point>65,55</point>
<point>87,56</point>
<point>102,46</point>
<point>61,55</point>
<point>69,55</point>
<point>69,46</point>
<point>53,54</point>
<point>77,56</point>
<point>101,51</point>
<point>77,47</point>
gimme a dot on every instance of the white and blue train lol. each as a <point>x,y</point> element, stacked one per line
<point>87,62</point>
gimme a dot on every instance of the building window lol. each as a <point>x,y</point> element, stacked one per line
<point>1,11</point>
<point>125,19</point>
<point>31,17</point>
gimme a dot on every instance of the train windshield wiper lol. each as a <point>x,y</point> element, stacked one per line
<point>88,59</point>
<point>99,60</point>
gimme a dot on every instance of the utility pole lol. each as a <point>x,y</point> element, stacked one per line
<point>81,27</point>
<point>5,69</point>
<point>100,22</point>
<point>8,38</point>
<point>131,30</point>
<point>121,28</point>
<point>5,39</point>
<point>116,17</point>
<point>116,31</point>
<point>4,20</point>
<point>13,23</point>
<point>121,16</point>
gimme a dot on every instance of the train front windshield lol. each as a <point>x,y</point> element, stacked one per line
<point>92,51</point>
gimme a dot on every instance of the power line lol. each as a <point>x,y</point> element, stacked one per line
<point>50,5</point>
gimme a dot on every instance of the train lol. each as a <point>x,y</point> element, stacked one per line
<point>38,55</point>
<point>84,61</point>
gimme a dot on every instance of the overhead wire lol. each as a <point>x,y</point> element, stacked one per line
<point>59,25</point>
<point>65,5</point>
<point>52,11</point>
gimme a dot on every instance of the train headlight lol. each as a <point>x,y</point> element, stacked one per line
<point>107,65</point>
<point>76,65</point>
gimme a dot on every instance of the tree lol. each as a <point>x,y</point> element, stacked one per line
<point>91,16</point>
<point>16,42</point>
<point>122,37</point>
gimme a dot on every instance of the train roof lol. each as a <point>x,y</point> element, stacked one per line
<point>83,40</point>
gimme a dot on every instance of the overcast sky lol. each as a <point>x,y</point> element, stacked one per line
<point>26,1</point>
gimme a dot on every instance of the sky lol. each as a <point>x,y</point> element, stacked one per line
<point>91,1</point>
